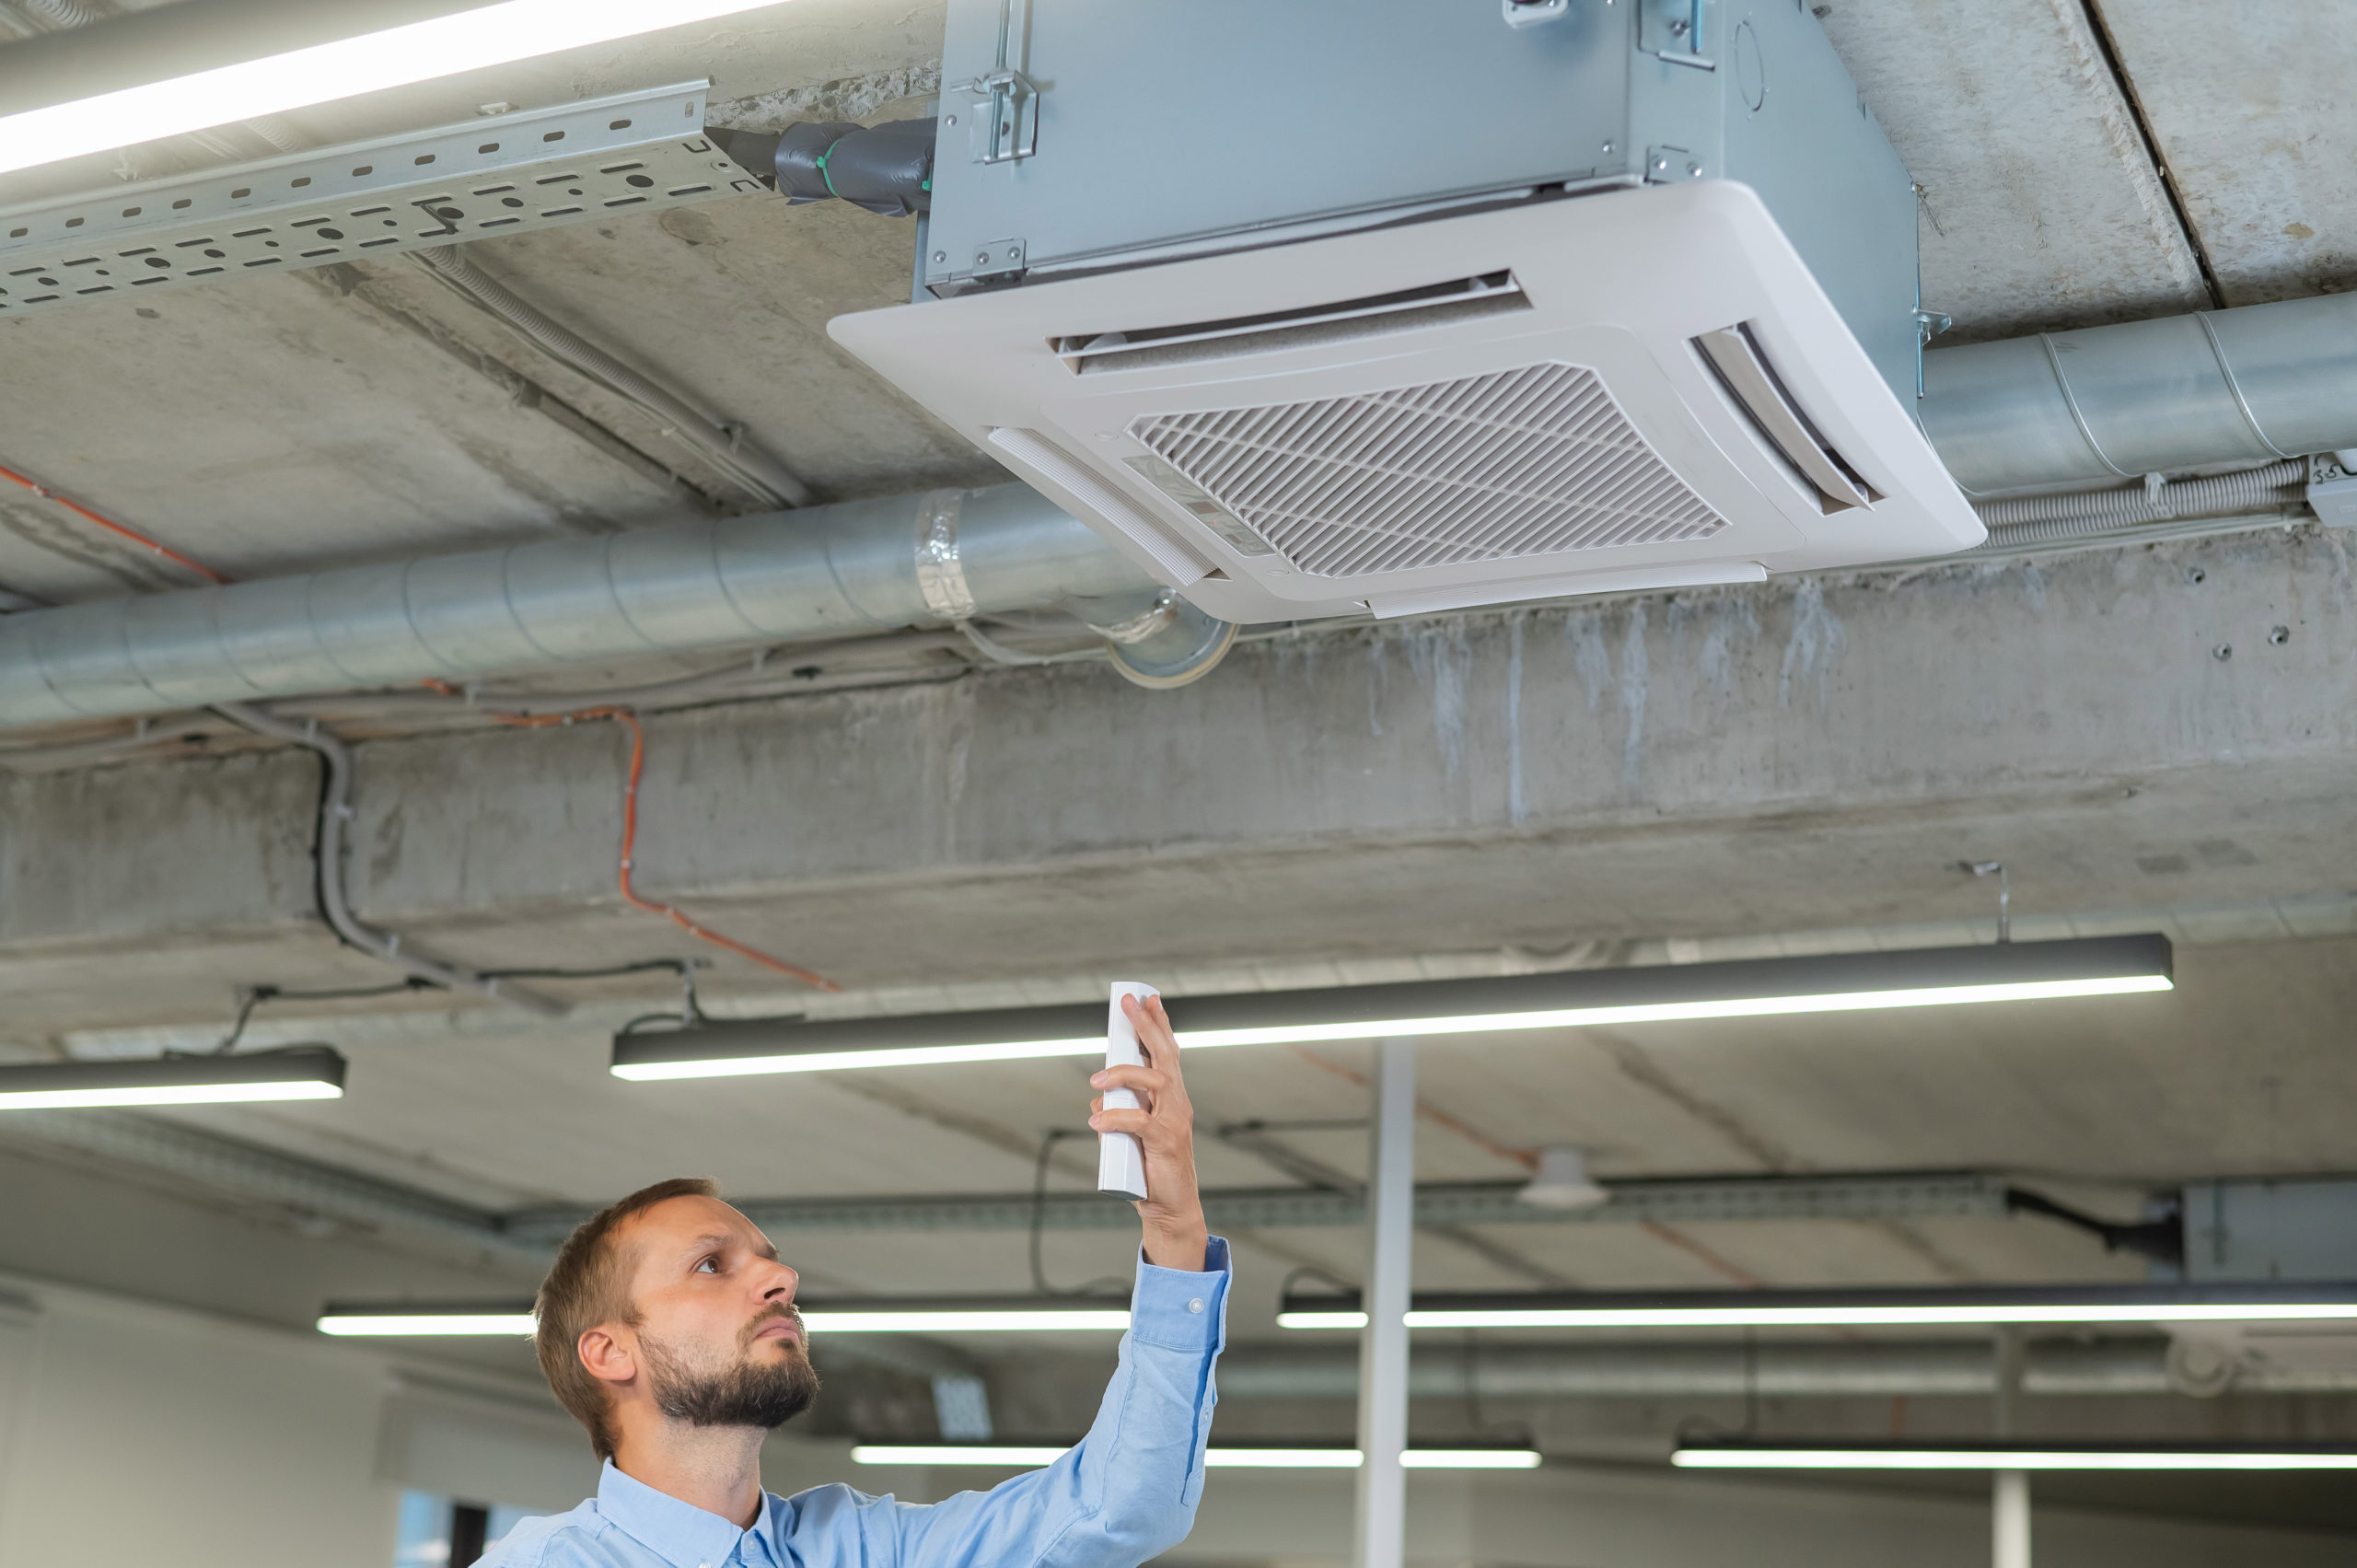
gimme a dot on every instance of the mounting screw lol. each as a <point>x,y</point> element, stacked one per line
<point>2223,651</point>
<point>1693,171</point>
<point>2196,575</point>
<point>1661,166</point>
<point>941,255</point>
<point>952,120</point>
<point>2279,635</point>
<point>1608,146</point>
<point>982,258</point>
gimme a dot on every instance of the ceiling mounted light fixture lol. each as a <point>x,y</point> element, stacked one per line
<point>295,1072</point>
<point>1771,1454</point>
<point>850,1314</point>
<point>331,67</point>
<point>1749,988</point>
<point>1012,1457</point>
<point>2271,1301</point>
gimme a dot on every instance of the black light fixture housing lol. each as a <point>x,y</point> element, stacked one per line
<point>288,1073</point>
<point>1744,988</point>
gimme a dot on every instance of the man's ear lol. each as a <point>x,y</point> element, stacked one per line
<point>610,1356</point>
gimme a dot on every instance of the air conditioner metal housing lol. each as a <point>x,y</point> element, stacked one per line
<point>1379,302</point>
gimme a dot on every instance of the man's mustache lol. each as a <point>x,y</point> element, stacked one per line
<point>786,1310</point>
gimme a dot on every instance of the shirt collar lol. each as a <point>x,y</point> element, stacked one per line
<point>680,1533</point>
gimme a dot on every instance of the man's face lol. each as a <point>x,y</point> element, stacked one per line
<point>718,1336</point>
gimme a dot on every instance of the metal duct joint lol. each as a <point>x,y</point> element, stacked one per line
<point>776,577</point>
<point>939,576</point>
<point>2245,386</point>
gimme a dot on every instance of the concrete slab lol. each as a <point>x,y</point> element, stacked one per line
<point>2041,209</point>
<point>2249,106</point>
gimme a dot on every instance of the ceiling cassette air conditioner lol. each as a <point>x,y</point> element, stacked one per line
<point>1633,388</point>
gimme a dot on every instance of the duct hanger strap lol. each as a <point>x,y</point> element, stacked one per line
<point>941,577</point>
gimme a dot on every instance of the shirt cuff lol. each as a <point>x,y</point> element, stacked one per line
<point>1179,1308</point>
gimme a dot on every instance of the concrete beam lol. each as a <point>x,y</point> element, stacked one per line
<point>2125,728</point>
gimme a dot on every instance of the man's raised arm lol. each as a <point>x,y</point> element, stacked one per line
<point>1128,1490</point>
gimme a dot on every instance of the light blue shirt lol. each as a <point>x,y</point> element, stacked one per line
<point>1124,1493</point>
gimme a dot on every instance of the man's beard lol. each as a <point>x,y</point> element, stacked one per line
<point>763,1394</point>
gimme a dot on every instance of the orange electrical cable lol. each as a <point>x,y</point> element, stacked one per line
<point>165,550</point>
<point>629,841</point>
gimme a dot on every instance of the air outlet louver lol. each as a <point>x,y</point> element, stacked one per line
<point>1187,343</point>
<point>1364,418</point>
<point>1535,460</point>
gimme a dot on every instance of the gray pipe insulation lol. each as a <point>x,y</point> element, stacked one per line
<point>2105,404</point>
<point>857,567</point>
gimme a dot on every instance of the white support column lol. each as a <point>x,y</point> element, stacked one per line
<point>1383,1347</point>
<point>2009,1492</point>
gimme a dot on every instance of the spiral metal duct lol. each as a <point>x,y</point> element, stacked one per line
<point>2109,403</point>
<point>944,556</point>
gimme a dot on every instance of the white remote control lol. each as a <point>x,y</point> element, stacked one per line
<point>1121,1164</point>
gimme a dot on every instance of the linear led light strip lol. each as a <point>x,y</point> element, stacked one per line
<point>393,57</point>
<point>1471,1023</point>
<point>1747,989</point>
<point>1242,1458</point>
<point>291,1072</point>
<point>1765,1316</point>
<point>1044,1321</point>
<point>2009,1459</point>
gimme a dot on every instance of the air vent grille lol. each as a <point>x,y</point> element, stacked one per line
<point>1462,299</point>
<point>1535,460</point>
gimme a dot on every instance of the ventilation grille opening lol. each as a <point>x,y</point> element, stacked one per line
<point>1492,294</point>
<point>1535,460</point>
<point>1749,380</point>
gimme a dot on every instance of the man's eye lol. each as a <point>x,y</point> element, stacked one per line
<point>710,1265</point>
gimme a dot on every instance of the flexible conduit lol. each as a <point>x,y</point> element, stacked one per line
<point>335,811</point>
<point>2036,519</point>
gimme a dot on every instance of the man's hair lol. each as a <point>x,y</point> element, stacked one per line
<point>589,1285</point>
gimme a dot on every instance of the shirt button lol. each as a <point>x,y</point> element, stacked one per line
<point>1196,1305</point>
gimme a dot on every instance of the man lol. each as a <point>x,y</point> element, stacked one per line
<point>667,1327</point>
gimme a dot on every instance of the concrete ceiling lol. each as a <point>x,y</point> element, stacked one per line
<point>1805,759</point>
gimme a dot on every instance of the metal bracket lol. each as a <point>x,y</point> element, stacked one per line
<point>997,258</point>
<point>1677,31</point>
<point>1530,13</point>
<point>628,154</point>
<point>1007,116</point>
<point>1006,102</point>
<point>1930,324</point>
<point>1669,166</point>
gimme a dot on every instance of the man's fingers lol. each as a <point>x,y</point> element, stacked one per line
<point>1155,1040</point>
<point>1139,1123</point>
<point>1146,1080</point>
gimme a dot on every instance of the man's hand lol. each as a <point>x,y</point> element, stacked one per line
<point>1164,1127</point>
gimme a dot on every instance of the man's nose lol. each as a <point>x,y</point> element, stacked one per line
<point>779,1284</point>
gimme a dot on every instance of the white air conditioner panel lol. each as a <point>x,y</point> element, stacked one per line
<point>1465,411</point>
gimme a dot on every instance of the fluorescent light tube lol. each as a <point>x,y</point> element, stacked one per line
<point>2268,1302</point>
<point>423,1323</point>
<point>2291,1457</point>
<point>301,1071</point>
<point>1752,988</point>
<point>820,1320</point>
<point>1236,1458</point>
<point>923,1315</point>
<point>298,79</point>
